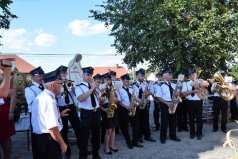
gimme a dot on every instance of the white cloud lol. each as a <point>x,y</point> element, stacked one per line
<point>15,39</point>
<point>45,40</point>
<point>84,28</point>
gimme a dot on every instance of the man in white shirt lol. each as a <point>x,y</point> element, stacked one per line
<point>153,89</point>
<point>165,95</point>
<point>141,92</point>
<point>88,103</point>
<point>31,92</point>
<point>194,104</point>
<point>46,121</point>
<point>5,66</point>
<point>219,104</point>
<point>125,96</point>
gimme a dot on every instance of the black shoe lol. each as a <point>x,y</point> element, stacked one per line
<point>150,139</point>
<point>199,137</point>
<point>108,153</point>
<point>180,130</point>
<point>224,130</point>
<point>140,140</point>
<point>214,130</point>
<point>175,139</point>
<point>163,141</point>
<point>138,145</point>
<point>192,136</point>
<point>114,150</point>
<point>130,146</point>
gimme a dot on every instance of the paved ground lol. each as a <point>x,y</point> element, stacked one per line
<point>210,147</point>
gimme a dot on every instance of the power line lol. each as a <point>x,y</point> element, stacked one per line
<point>57,54</point>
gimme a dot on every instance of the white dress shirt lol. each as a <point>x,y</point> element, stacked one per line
<point>123,96</point>
<point>45,113</point>
<point>187,86</point>
<point>80,89</point>
<point>136,86</point>
<point>163,91</point>
<point>31,93</point>
<point>61,101</point>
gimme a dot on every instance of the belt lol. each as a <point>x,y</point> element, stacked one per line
<point>91,110</point>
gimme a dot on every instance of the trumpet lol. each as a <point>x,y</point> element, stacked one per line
<point>68,84</point>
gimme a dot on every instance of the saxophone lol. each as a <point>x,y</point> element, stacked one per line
<point>145,98</point>
<point>175,99</point>
<point>112,105</point>
<point>133,104</point>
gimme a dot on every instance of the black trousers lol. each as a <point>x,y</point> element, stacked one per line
<point>167,120</point>
<point>124,120</point>
<point>156,113</point>
<point>46,147</point>
<point>75,123</point>
<point>144,125</point>
<point>182,116</point>
<point>194,108</point>
<point>90,124</point>
<point>233,109</point>
<point>219,105</point>
<point>33,143</point>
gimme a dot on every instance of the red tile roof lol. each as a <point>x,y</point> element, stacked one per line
<point>118,69</point>
<point>22,65</point>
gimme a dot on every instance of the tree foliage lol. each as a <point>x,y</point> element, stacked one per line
<point>175,34</point>
<point>5,15</point>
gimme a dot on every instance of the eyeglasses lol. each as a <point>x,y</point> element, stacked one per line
<point>58,82</point>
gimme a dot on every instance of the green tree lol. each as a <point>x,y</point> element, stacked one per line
<point>173,34</point>
<point>5,15</point>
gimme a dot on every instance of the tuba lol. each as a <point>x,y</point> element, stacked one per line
<point>202,93</point>
<point>226,93</point>
<point>133,104</point>
<point>112,105</point>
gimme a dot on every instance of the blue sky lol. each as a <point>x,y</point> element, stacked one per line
<point>58,27</point>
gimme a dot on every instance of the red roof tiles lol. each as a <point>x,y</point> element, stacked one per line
<point>22,65</point>
<point>118,69</point>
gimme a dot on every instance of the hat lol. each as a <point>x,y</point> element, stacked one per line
<point>112,73</point>
<point>159,74</point>
<point>167,72</point>
<point>37,71</point>
<point>191,71</point>
<point>51,76</point>
<point>125,77</point>
<point>140,71</point>
<point>97,76</point>
<point>62,69</point>
<point>88,70</point>
<point>106,76</point>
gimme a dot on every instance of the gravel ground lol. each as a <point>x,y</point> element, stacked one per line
<point>210,147</point>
